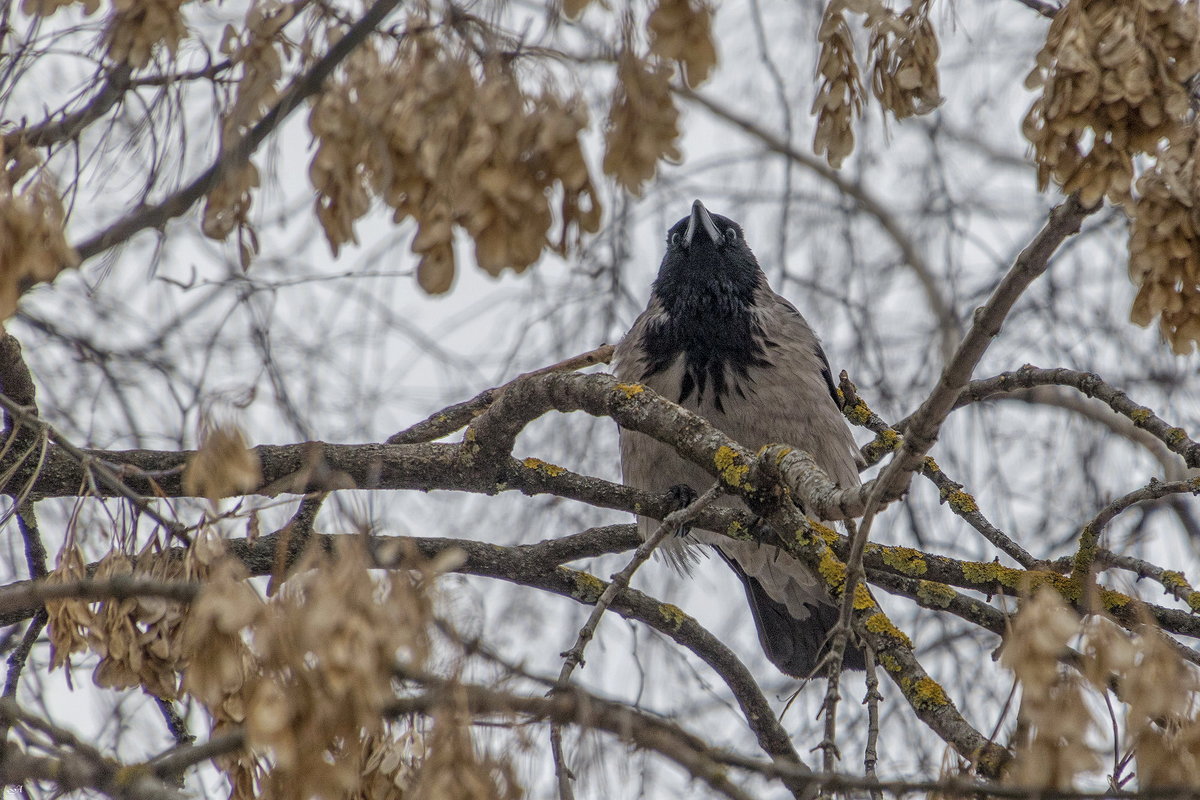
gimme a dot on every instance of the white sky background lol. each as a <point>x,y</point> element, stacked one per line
<point>357,358</point>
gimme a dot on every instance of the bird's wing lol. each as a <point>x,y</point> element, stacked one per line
<point>646,462</point>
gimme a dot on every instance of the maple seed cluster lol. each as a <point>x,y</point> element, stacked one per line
<point>257,52</point>
<point>136,27</point>
<point>904,78</point>
<point>1113,75</point>
<point>1158,693</point>
<point>904,52</point>
<point>1115,78</point>
<point>643,123</point>
<point>1164,247</point>
<point>449,143</point>
<point>32,245</point>
<point>682,32</point>
<point>1055,717</point>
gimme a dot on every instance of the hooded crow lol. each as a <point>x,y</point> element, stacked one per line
<point>717,340</point>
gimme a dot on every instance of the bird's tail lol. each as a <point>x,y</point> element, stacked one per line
<point>794,645</point>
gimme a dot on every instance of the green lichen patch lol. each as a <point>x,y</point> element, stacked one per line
<point>862,598</point>
<point>738,531</point>
<point>630,390</point>
<point>733,472</point>
<point>1114,601</point>
<point>905,560</point>
<point>961,502</point>
<point>541,466</point>
<point>1175,436</point>
<point>833,571</point>
<point>858,413</point>
<point>826,533</point>
<point>925,694</point>
<point>673,615</point>
<point>880,624</point>
<point>588,587</point>
<point>935,594</point>
<point>1140,415</point>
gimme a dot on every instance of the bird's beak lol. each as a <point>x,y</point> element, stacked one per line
<point>701,219</point>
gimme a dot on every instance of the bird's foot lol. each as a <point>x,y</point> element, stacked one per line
<point>682,496</point>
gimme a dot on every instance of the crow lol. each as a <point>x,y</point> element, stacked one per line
<point>717,340</point>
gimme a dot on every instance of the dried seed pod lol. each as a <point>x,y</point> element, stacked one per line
<point>136,27</point>
<point>904,48</point>
<point>643,123</point>
<point>223,466</point>
<point>33,248</point>
<point>681,31</point>
<point>839,97</point>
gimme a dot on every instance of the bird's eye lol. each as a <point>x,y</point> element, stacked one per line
<point>731,235</point>
<point>675,239</point>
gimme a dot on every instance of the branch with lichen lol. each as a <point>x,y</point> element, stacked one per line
<point>1087,383</point>
<point>888,439</point>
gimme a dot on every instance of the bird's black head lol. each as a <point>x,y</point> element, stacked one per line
<point>707,288</point>
<point>707,261</point>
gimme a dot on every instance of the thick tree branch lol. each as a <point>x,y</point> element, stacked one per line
<point>536,566</point>
<point>52,131</point>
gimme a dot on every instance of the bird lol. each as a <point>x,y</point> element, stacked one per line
<point>717,340</point>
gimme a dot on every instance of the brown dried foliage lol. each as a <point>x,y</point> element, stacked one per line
<point>33,248</point>
<point>1158,690</point>
<point>643,122</point>
<point>1164,246</point>
<point>681,30</point>
<point>904,77</point>
<point>137,637</point>
<point>839,97</point>
<point>454,768</point>
<point>1113,75</point>
<point>69,619</point>
<point>904,54</point>
<point>258,51</point>
<point>1054,749</point>
<point>45,8</point>
<point>450,144</point>
<point>1115,78</point>
<point>136,27</point>
<point>389,763</point>
<point>223,465</point>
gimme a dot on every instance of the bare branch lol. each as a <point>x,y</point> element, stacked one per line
<point>239,152</point>
<point>949,328</point>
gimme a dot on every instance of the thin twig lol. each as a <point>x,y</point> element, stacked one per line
<point>888,439</point>
<point>949,328</point>
<point>1089,535</point>
<point>573,657</point>
<point>871,751</point>
<point>92,466</point>
<point>924,425</point>
<point>1087,383</point>
<point>116,82</point>
<point>239,152</point>
<point>176,724</point>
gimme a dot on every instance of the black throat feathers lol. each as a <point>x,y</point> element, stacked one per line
<point>707,288</point>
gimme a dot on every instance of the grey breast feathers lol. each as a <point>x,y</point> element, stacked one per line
<point>788,401</point>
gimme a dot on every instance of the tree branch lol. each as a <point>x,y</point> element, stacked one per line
<point>239,152</point>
